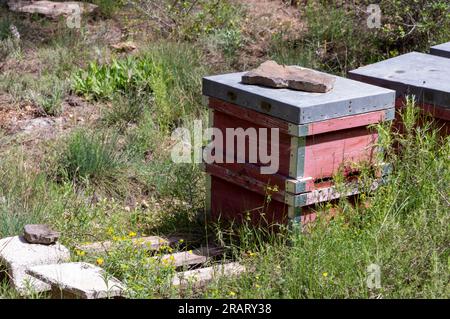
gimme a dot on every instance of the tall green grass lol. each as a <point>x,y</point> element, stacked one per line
<point>93,159</point>
<point>405,231</point>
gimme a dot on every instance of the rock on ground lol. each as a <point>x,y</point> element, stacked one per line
<point>200,277</point>
<point>78,280</point>
<point>17,255</point>
<point>272,74</point>
<point>40,234</point>
<point>52,8</point>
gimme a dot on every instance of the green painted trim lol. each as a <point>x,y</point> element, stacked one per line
<point>389,114</point>
<point>298,130</point>
<point>295,200</point>
<point>297,157</point>
<point>294,212</point>
<point>296,186</point>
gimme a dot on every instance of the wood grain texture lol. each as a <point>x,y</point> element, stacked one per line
<point>230,201</point>
<point>325,154</point>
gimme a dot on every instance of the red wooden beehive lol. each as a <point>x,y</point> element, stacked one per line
<point>416,74</point>
<point>319,135</point>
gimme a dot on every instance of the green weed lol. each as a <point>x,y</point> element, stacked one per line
<point>93,159</point>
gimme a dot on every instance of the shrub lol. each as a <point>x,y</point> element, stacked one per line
<point>414,23</point>
<point>338,39</point>
<point>190,19</point>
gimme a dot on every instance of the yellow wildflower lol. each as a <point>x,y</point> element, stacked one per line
<point>132,234</point>
<point>100,261</point>
<point>232,293</point>
<point>325,274</point>
<point>80,253</point>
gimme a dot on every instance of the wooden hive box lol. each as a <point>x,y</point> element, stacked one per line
<point>442,50</point>
<point>422,75</point>
<point>320,135</point>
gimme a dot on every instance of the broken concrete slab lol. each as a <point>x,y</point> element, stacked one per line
<point>52,8</point>
<point>148,243</point>
<point>188,258</point>
<point>78,280</point>
<point>17,255</point>
<point>271,74</point>
<point>200,277</point>
<point>40,234</point>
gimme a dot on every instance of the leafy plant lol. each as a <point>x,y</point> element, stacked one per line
<point>165,76</point>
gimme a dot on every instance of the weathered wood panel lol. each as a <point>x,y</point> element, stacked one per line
<point>323,155</point>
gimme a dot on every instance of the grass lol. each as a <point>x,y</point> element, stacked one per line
<point>404,231</point>
<point>93,159</point>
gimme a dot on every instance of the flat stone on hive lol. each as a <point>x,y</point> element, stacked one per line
<point>273,75</point>
<point>40,234</point>
<point>78,280</point>
<point>17,255</point>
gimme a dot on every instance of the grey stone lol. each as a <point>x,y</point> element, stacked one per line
<point>40,234</point>
<point>145,243</point>
<point>52,8</point>
<point>17,255</point>
<point>200,277</point>
<point>273,75</point>
<point>78,280</point>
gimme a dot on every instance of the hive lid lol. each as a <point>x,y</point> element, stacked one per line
<point>423,75</point>
<point>348,97</point>
<point>442,50</point>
